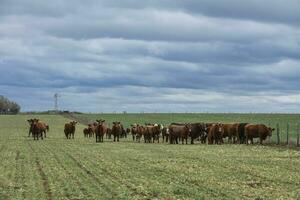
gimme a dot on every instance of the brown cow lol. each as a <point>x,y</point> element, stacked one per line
<point>215,134</point>
<point>260,131</point>
<point>70,129</point>
<point>152,133</point>
<point>140,132</point>
<point>108,133</point>
<point>43,128</point>
<point>92,129</point>
<point>37,128</point>
<point>134,130</point>
<point>101,129</point>
<point>179,131</point>
<point>86,132</point>
<point>117,130</point>
<point>230,131</point>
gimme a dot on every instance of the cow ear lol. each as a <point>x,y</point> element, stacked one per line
<point>103,120</point>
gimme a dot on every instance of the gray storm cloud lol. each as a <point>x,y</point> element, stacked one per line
<point>153,56</point>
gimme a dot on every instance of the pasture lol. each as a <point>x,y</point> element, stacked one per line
<point>57,168</point>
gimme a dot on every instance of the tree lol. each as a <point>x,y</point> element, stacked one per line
<point>8,107</point>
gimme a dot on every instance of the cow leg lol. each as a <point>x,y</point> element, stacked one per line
<point>260,140</point>
<point>117,138</point>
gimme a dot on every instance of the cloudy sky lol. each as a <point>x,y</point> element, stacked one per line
<point>152,55</point>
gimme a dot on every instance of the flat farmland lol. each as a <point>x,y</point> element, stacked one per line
<point>57,168</point>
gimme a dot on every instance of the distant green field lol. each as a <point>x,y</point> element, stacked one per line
<point>268,119</point>
<point>56,168</point>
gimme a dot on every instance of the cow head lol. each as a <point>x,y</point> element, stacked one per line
<point>100,121</point>
<point>73,123</point>
<point>219,127</point>
<point>189,128</point>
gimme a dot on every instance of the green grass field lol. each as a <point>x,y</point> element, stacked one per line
<point>56,168</point>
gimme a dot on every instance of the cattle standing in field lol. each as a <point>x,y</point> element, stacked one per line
<point>127,131</point>
<point>37,127</point>
<point>70,129</point>
<point>124,133</point>
<point>198,130</point>
<point>215,134</point>
<point>165,134</point>
<point>179,131</point>
<point>140,132</point>
<point>117,130</point>
<point>241,137</point>
<point>260,131</point>
<point>86,132</point>
<point>101,129</point>
<point>230,131</point>
<point>108,133</point>
<point>134,130</point>
<point>152,133</point>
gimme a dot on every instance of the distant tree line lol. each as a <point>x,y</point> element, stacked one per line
<point>8,107</point>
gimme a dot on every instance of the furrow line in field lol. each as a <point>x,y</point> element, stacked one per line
<point>20,175</point>
<point>129,185</point>
<point>119,180</point>
<point>2,148</point>
<point>77,181</point>
<point>89,173</point>
<point>42,174</point>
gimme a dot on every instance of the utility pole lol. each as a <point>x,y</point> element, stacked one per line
<point>56,95</point>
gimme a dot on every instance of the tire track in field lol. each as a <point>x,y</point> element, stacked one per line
<point>89,173</point>
<point>20,174</point>
<point>169,175</point>
<point>92,175</point>
<point>2,148</point>
<point>75,178</point>
<point>42,174</point>
<point>117,180</point>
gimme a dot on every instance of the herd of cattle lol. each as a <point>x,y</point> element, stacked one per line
<point>211,133</point>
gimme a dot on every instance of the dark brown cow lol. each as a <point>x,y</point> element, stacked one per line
<point>86,132</point>
<point>101,129</point>
<point>198,130</point>
<point>165,134</point>
<point>215,134</point>
<point>179,131</point>
<point>30,121</point>
<point>241,138</point>
<point>108,133</point>
<point>124,133</point>
<point>117,130</point>
<point>260,131</point>
<point>128,131</point>
<point>70,129</point>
